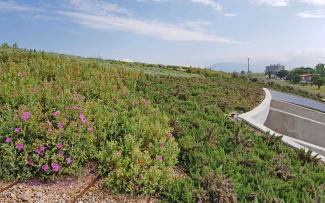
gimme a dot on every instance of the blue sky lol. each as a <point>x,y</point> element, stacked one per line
<point>180,32</point>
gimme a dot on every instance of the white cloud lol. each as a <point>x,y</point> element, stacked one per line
<point>276,3</point>
<point>155,29</point>
<point>311,14</point>
<point>315,2</point>
<point>102,15</point>
<point>97,6</point>
<point>195,24</point>
<point>210,3</point>
<point>13,6</point>
<point>215,6</point>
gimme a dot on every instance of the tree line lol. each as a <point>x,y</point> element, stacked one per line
<point>318,74</point>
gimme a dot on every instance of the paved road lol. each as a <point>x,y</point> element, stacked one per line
<point>302,101</point>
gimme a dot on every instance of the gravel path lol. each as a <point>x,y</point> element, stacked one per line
<point>63,191</point>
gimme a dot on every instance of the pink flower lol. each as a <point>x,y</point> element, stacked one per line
<point>45,167</point>
<point>19,147</point>
<point>17,130</point>
<point>49,123</point>
<point>55,167</point>
<point>69,160</point>
<point>55,113</point>
<point>170,134</point>
<point>76,108</point>
<point>26,116</point>
<point>61,153</point>
<point>42,148</point>
<point>90,129</point>
<point>8,140</point>
<point>162,145</point>
<point>30,162</point>
<point>82,118</point>
<point>60,125</point>
<point>160,158</point>
<point>59,146</point>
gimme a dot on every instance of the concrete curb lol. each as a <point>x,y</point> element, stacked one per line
<point>257,117</point>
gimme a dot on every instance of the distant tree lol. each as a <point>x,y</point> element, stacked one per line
<point>320,69</point>
<point>282,74</point>
<point>242,72</point>
<point>15,45</point>
<point>318,80</point>
<point>295,78</point>
<point>5,45</point>
<point>302,70</point>
<point>269,74</point>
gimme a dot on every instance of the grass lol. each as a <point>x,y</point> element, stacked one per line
<point>151,131</point>
<point>286,86</point>
<point>314,89</point>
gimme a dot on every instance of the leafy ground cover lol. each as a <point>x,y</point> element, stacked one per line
<point>149,132</point>
<point>225,161</point>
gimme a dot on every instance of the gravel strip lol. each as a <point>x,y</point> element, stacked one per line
<point>63,191</point>
<point>57,192</point>
<point>98,194</point>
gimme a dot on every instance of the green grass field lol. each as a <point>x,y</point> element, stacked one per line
<point>314,89</point>
<point>150,131</point>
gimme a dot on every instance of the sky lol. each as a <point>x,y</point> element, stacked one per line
<point>178,32</point>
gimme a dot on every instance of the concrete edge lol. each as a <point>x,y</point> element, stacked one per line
<point>263,108</point>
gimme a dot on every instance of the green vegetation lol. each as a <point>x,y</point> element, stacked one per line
<point>294,76</point>
<point>58,113</point>
<point>151,130</point>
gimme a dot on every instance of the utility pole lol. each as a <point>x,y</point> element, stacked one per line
<point>248,65</point>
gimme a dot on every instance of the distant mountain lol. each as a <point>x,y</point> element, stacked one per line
<point>228,67</point>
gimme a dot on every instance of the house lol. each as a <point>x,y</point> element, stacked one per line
<point>306,78</point>
<point>274,69</point>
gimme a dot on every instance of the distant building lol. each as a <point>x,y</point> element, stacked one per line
<point>306,78</point>
<point>274,69</point>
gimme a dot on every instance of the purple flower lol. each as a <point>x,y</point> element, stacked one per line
<point>82,118</point>
<point>49,123</point>
<point>55,113</point>
<point>69,160</point>
<point>26,116</point>
<point>61,153</point>
<point>8,140</point>
<point>45,167</point>
<point>160,158</point>
<point>162,145</point>
<point>42,148</point>
<point>90,129</point>
<point>39,152</point>
<point>76,108</point>
<point>60,125</point>
<point>30,162</point>
<point>59,146</point>
<point>17,130</point>
<point>55,167</point>
<point>19,147</point>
